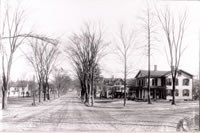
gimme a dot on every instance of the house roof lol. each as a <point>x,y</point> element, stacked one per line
<point>113,80</point>
<point>180,70</point>
<point>144,73</point>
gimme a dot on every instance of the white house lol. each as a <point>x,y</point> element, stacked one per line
<point>183,85</point>
<point>161,85</point>
<point>16,91</point>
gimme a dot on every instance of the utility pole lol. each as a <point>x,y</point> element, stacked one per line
<point>199,81</point>
<point>149,52</point>
<point>125,76</point>
<point>33,90</point>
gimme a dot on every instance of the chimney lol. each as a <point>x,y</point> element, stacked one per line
<point>155,67</point>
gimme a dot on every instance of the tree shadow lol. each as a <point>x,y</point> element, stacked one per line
<point>107,107</point>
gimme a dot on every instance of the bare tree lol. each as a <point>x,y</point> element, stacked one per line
<point>51,54</point>
<point>85,51</point>
<point>125,47</point>
<point>32,87</point>
<point>174,29</point>
<point>11,38</point>
<point>61,81</point>
<point>13,23</point>
<point>148,26</point>
<point>42,58</point>
<point>36,60</point>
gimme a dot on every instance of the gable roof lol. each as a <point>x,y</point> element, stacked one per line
<point>182,71</point>
<point>144,73</point>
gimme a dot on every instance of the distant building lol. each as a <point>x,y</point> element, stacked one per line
<point>161,85</point>
<point>113,88</point>
<point>19,91</point>
<point>98,87</point>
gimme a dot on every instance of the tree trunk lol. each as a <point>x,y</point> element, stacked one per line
<point>58,92</point>
<point>33,97</point>
<point>4,99</point>
<point>81,94</point>
<point>125,75</point>
<point>89,96</point>
<point>87,92</point>
<point>92,97</point>
<point>173,89</point>
<point>86,97</point>
<point>44,92</point>
<point>4,92</point>
<point>39,92</point>
<point>124,95</point>
<point>48,90</point>
<point>92,89</point>
<point>48,94</point>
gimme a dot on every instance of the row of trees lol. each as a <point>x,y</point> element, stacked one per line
<point>85,50</point>
<point>42,56</point>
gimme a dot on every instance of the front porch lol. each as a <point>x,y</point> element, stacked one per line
<point>155,93</point>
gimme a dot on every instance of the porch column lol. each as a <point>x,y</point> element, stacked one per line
<point>139,93</point>
<point>143,93</point>
<point>155,96</point>
<point>161,94</point>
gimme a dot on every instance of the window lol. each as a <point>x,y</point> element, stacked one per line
<point>179,73</point>
<point>186,81</point>
<point>138,82</point>
<point>176,92</point>
<point>142,82</point>
<point>168,82</point>
<point>169,92</point>
<point>176,82</point>
<point>154,82</point>
<point>185,92</point>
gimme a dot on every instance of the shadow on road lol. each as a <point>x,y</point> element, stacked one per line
<point>108,107</point>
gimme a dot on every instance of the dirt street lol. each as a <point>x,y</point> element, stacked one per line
<point>67,113</point>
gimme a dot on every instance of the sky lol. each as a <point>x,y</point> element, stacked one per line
<point>61,18</point>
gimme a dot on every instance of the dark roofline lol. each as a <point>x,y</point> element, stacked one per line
<point>167,72</point>
<point>150,73</point>
<point>186,73</point>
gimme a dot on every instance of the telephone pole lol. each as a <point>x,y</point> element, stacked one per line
<point>199,81</point>
<point>149,56</point>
